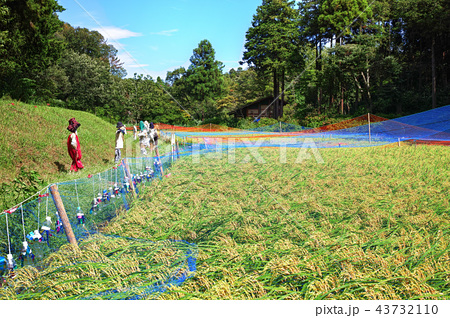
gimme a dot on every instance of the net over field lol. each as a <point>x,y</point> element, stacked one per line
<point>432,126</point>
<point>33,229</point>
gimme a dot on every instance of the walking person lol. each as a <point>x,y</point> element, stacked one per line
<point>153,134</point>
<point>147,136</point>
<point>73,145</point>
<point>143,138</point>
<point>120,132</point>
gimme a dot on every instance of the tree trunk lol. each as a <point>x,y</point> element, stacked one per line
<point>444,73</point>
<point>275,94</point>
<point>433,73</point>
<point>282,95</point>
<point>319,101</point>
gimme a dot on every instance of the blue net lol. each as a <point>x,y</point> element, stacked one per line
<point>33,230</point>
<point>431,126</point>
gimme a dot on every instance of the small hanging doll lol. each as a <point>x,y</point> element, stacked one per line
<point>26,256</point>
<point>116,190</point>
<point>105,197</point>
<point>94,207</point>
<point>127,185</point>
<point>157,164</point>
<point>59,226</point>
<point>11,265</point>
<point>80,216</point>
<point>150,172</point>
<point>46,229</point>
<point>99,198</point>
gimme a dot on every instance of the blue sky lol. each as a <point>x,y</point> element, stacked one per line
<point>156,36</point>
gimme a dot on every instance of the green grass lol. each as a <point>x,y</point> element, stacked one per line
<point>368,223</point>
<point>35,136</point>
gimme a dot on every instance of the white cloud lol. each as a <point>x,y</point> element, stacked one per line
<point>114,33</point>
<point>166,32</point>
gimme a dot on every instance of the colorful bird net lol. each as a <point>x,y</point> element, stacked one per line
<point>32,230</point>
<point>431,127</point>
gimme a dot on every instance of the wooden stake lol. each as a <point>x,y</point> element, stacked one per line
<point>130,179</point>
<point>63,215</point>
<point>370,137</point>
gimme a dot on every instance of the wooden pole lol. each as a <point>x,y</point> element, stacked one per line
<point>63,215</point>
<point>178,153</point>
<point>370,136</point>
<point>130,179</point>
<point>172,141</point>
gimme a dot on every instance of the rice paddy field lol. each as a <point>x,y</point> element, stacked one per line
<point>364,223</point>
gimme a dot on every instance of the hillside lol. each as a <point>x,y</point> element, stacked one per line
<point>35,136</point>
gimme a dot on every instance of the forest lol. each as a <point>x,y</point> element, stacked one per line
<point>315,57</point>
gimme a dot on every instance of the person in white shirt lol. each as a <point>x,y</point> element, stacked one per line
<point>121,131</point>
<point>153,134</point>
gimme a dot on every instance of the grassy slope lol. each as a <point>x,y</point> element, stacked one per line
<point>35,138</point>
<point>369,223</point>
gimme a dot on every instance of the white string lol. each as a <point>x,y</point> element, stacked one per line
<point>39,208</point>
<point>76,191</point>
<point>23,224</point>
<point>7,231</point>
<point>46,207</point>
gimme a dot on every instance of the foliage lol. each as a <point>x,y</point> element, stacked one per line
<point>88,83</point>
<point>92,43</point>
<point>272,45</point>
<point>376,57</point>
<point>29,43</point>
<point>315,56</point>
<point>242,87</point>
<point>201,84</point>
<point>26,184</point>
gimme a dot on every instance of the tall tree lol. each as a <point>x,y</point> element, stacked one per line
<point>428,23</point>
<point>30,44</point>
<point>89,82</point>
<point>272,45</point>
<point>204,79</point>
<point>93,44</point>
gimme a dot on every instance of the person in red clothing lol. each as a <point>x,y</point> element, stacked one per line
<point>73,145</point>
